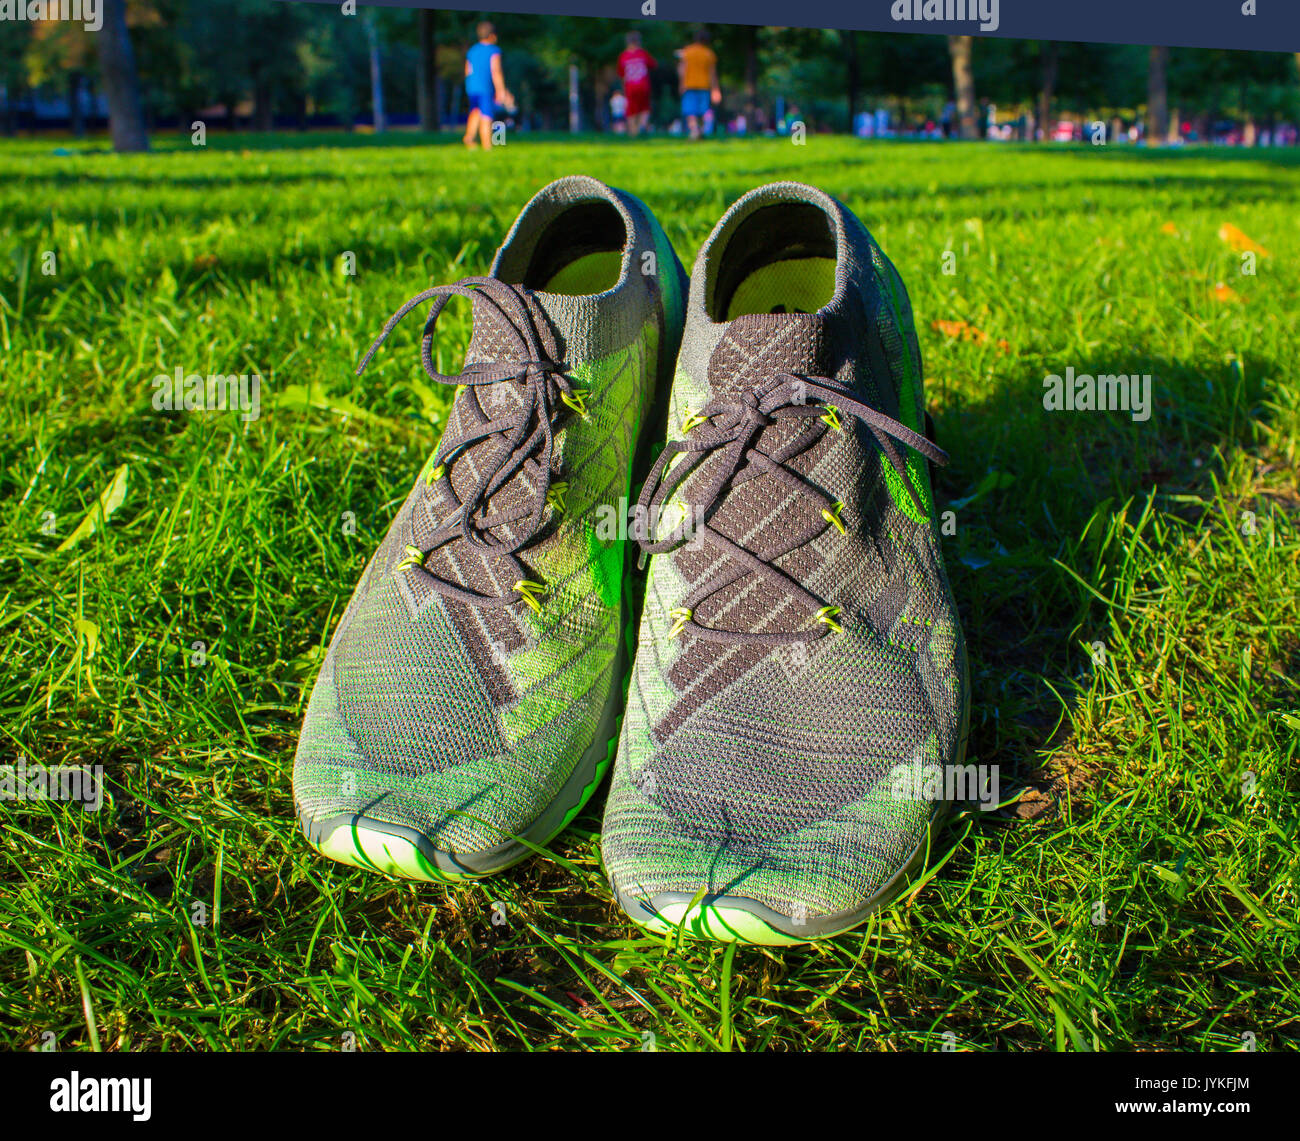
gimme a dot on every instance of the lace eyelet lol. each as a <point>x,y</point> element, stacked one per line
<point>414,558</point>
<point>832,516</point>
<point>576,398</point>
<point>827,615</point>
<point>692,420</point>
<point>682,616</point>
<point>555,496</point>
<point>528,591</point>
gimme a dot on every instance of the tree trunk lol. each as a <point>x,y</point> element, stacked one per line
<point>427,76</point>
<point>963,81</point>
<point>751,77</point>
<point>854,75</point>
<point>121,81</point>
<point>376,79</point>
<point>600,86</point>
<point>1051,56</point>
<point>262,108</point>
<point>1157,96</point>
<point>76,112</point>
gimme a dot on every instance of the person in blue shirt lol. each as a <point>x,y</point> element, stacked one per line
<point>485,85</point>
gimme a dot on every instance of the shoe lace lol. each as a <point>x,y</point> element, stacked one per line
<point>525,441</point>
<point>730,426</point>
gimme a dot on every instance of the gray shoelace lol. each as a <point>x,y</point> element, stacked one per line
<point>526,437</point>
<point>731,426</point>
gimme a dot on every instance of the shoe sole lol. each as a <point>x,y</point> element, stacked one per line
<point>738,919</point>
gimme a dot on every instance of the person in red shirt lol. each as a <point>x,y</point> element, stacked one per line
<point>634,66</point>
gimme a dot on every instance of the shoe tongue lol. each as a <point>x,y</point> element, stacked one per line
<point>495,339</point>
<point>753,353</point>
<point>756,348</point>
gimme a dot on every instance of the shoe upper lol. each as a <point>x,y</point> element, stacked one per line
<point>800,657</point>
<point>470,670</point>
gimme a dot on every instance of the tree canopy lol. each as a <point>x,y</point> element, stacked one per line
<point>268,63</point>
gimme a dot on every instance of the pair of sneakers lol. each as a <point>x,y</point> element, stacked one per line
<point>780,722</point>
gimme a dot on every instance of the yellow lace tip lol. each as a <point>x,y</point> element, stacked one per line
<point>437,473</point>
<point>528,591</point>
<point>832,516</point>
<point>692,420</point>
<point>682,616</point>
<point>555,497</point>
<point>832,417</point>
<point>414,558</point>
<point>577,400</point>
<point>827,615</point>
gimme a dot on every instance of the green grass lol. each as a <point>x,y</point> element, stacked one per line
<point>1159,780</point>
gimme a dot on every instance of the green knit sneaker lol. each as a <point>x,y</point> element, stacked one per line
<point>470,699</point>
<point>800,679</point>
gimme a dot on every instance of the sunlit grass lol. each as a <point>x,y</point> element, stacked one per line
<point>1128,589</point>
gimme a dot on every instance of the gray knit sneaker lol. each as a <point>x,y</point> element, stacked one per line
<point>471,695</point>
<point>800,682</point>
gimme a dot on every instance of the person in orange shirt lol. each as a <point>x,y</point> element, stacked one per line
<point>697,79</point>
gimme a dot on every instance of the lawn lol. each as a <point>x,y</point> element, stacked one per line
<point>1128,590</point>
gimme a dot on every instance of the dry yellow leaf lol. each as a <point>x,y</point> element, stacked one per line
<point>1239,241</point>
<point>963,331</point>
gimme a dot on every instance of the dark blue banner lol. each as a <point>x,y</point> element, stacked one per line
<point>1253,25</point>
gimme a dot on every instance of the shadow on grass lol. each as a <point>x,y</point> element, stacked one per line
<point>1027,621</point>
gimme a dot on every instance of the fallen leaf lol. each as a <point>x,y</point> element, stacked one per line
<point>1239,241</point>
<point>110,499</point>
<point>1032,804</point>
<point>1169,228</point>
<point>1225,294</point>
<point>205,261</point>
<point>963,331</point>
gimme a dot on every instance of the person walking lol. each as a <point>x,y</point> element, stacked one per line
<point>485,86</point>
<point>697,75</point>
<point>634,67</point>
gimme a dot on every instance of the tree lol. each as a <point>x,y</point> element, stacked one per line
<point>1157,95</point>
<point>854,77</point>
<point>376,77</point>
<point>751,76</point>
<point>59,51</point>
<point>430,85</point>
<point>121,82</point>
<point>963,81</point>
<point>1051,55</point>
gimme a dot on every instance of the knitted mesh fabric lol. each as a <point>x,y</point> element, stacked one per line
<point>464,721</point>
<point>770,772</point>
